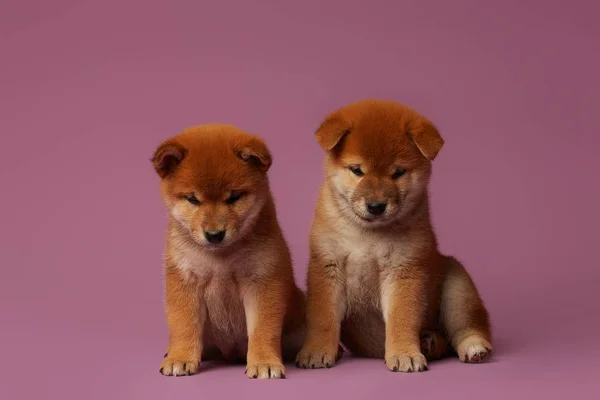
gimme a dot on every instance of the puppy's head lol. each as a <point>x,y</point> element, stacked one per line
<point>379,159</point>
<point>214,182</point>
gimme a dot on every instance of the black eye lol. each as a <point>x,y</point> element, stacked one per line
<point>399,172</point>
<point>235,196</point>
<point>192,199</point>
<point>355,169</point>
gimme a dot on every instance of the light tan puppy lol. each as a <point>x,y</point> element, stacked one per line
<point>375,278</point>
<point>230,291</point>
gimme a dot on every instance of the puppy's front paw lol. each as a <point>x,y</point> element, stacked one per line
<point>266,370</point>
<point>318,357</point>
<point>175,367</point>
<point>406,362</point>
<point>474,349</point>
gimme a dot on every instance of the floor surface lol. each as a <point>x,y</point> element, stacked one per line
<point>78,362</point>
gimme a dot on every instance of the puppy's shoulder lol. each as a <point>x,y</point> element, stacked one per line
<point>263,257</point>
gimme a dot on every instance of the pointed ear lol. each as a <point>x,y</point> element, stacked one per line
<point>167,158</point>
<point>332,130</point>
<point>255,152</point>
<point>426,137</point>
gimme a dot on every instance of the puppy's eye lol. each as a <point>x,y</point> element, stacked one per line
<point>192,199</point>
<point>355,169</point>
<point>234,197</point>
<point>399,172</point>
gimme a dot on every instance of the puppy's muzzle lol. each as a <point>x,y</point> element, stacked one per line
<point>376,208</point>
<point>214,237</point>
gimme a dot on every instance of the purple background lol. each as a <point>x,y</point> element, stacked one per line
<point>89,88</point>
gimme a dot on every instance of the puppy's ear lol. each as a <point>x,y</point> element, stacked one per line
<point>255,152</point>
<point>332,130</point>
<point>167,157</point>
<point>426,137</point>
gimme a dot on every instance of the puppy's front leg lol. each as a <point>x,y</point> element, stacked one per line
<point>325,308</point>
<point>264,305</point>
<point>186,315</point>
<point>403,303</point>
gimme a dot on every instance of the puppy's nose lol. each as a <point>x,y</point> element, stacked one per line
<point>376,208</point>
<point>214,237</point>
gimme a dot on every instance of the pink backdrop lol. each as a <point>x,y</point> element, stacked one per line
<point>89,88</point>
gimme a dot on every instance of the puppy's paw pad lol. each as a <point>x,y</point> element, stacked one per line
<point>174,367</point>
<point>473,350</point>
<point>309,358</point>
<point>406,363</point>
<point>265,371</point>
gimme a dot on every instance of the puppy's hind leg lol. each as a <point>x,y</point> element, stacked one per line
<point>434,344</point>
<point>464,315</point>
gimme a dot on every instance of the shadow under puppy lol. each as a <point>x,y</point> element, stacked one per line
<point>230,290</point>
<point>376,279</point>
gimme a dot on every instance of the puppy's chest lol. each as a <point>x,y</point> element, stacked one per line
<point>224,282</point>
<point>365,264</point>
<point>224,304</point>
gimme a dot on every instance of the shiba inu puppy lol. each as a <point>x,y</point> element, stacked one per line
<point>376,280</point>
<point>230,291</point>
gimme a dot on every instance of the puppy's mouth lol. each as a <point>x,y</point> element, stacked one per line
<point>214,247</point>
<point>369,219</point>
<point>374,220</point>
<point>206,244</point>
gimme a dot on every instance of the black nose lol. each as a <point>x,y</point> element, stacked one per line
<point>376,208</point>
<point>214,237</point>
